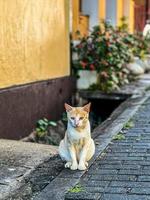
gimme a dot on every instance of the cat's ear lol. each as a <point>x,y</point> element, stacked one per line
<point>87,107</point>
<point>67,107</point>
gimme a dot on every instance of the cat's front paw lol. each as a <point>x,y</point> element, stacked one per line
<point>86,164</point>
<point>68,165</point>
<point>82,166</point>
<point>74,166</point>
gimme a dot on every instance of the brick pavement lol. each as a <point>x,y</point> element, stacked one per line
<point>122,172</point>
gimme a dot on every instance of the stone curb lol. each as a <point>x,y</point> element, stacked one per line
<point>103,135</point>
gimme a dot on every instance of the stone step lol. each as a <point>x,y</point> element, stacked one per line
<point>26,168</point>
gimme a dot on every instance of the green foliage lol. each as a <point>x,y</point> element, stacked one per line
<point>42,126</point>
<point>64,117</point>
<point>124,24</point>
<point>119,136</point>
<point>129,124</point>
<point>137,43</point>
<point>107,51</point>
<point>147,41</point>
<point>76,189</point>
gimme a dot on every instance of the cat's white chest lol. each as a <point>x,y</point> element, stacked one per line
<point>75,136</point>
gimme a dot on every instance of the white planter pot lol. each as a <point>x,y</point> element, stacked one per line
<point>135,67</point>
<point>140,62</point>
<point>86,78</point>
<point>147,62</point>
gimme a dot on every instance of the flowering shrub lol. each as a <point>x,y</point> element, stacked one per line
<point>137,43</point>
<point>106,52</point>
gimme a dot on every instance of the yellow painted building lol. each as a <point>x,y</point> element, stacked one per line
<point>34,40</point>
<point>87,13</point>
<point>35,76</point>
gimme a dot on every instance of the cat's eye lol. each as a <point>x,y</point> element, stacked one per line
<point>72,118</point>
<point>81,118</point>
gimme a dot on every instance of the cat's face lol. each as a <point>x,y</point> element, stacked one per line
<point>78,116</point>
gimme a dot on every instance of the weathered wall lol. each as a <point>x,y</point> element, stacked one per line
<point>34,41</point>
<point>21,107</point>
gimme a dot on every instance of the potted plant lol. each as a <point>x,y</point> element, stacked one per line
<point>105,52</point>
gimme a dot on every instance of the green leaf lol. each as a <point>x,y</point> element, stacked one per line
<point>46,120</point>
<point>52,123</point>
<point>38,129</point>
<point>119,136</point>
<point>78,188</point>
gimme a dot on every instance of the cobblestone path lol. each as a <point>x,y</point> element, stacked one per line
<point>122,172</point>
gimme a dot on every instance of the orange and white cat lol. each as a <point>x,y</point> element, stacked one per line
<point>77,147</point>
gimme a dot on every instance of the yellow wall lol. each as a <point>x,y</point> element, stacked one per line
<point>119,11</point>
<point>34,40</point>
<point>102,9</point>
<point>128,11</point>
<point>131,17</point>
<point>75,15</point>
<point>124,8</point>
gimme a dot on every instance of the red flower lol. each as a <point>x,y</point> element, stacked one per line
<point>92,67</point>
<point>83,64</point>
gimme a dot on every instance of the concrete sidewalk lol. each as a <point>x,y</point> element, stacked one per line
<point>23,166</point>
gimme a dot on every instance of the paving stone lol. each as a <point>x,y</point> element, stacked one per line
<point>66,173</point>
<point>137,134</point>
<point>134,172</point>
<point>110,177</point>
<point>119,154</point>
<point>142,163</point>
<point>147,130</point>
<point>93,183</point>
<point>110,162</point>
<point>144,178</point>
<point>82,196</point>
<point>126,150</point>
<point>130,184</point>
<point>124,197</point>
<point>148,150</point>
<point>122,145</point>
<point>94,189</point>
<point>137,154</point>
<point>99,171</point>
<point>128,158</point>
<point>121,150</point>
<point>141,191</point>
<point>147,167</point>
<point>117,166</point>
<point>116,190</point>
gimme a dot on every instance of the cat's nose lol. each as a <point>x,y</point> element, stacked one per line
<point>76,123</point>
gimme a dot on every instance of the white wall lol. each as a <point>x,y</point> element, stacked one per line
<point>90,7</point>
<point>111,11</point>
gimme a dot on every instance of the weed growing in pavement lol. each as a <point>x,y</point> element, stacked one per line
<point>119,136</point>
<point>76,189</point>
<point>129,124</point>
